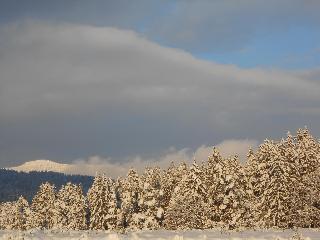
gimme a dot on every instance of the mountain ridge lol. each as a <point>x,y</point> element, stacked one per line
<point>43,165</point>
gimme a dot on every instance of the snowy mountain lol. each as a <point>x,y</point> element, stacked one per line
<point>75,168</point>
<point>43,166</point>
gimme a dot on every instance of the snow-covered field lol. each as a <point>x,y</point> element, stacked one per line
<point>168,235</point>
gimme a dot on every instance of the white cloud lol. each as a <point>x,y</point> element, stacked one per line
<point>110,167</point>
<point>237,147</point>
<point>97,164</point>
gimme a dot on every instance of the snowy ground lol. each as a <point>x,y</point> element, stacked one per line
<point>159,235</point>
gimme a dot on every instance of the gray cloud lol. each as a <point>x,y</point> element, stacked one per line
<point>197,26</point>
<point>72,91</point>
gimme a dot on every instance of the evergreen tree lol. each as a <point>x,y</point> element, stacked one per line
<point>151,197</point>
<point>280,176</point>
<point>274,180</point>
<point>70,208</point>
<point>188,208</point>
<point>170,180</point>
<point>121,220</point>
<point>307,152</point>
<point>227,191</point>
<point>310,215</point>
<point>20,214</point>
<point>130,201</point>
<point>102,204</point>
<point>42,207</point>
<point>7,215</point>
<point>307,159</point>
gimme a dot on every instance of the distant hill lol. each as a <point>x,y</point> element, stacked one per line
<point>43,166</point>
<point>76,168</point>
<point>14,183</point>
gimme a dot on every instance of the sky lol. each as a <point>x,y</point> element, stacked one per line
<point>119,80</point>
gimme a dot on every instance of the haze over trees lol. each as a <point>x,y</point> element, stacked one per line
<point>278,186</point>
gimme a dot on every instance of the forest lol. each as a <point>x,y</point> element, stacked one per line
<point>278,186</point>
<point>14,184</point>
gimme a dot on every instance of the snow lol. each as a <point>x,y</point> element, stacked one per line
<point>42,166</point>
<point>306,234</point>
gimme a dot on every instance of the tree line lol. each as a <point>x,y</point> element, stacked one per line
<point>277,186</point>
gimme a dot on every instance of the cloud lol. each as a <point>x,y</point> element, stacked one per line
<point>71,91</point>
<point>220,26</point>
<point>197,26</point>
<point>98,164</point>
<point>237,147</point>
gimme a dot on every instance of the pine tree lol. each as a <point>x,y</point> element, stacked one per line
<point>21,213</point>
<point>307,160</point>
<point>113,209</point>
<point>188,208</point>
<point>150,198</point>
<point>42,207</point>
<point>274,181</point>
<point>310,215</point>
<point>97,203</point>
<point>307,151</point>
<point>7,215</point>
<point>70,208</point>
<point>240,195</point>
<point>227,191</point>
<point>130,201</point>
<point>280,175</point>
<point>170,180</point>
<point>121,217</point>
<point>102,204</point>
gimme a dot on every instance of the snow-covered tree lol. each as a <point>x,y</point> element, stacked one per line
<point>7,215</point>
<point>309,192</point>
<point>274,179</point>
<point>150,198</point>
<point>170,180</point>
<point>42,207</point>
<point>227,191</point>
<point>70,208</point>
<point>280,176</point>
<point>307,151</point>
<point>121,221</point>
<point>102,204</point>
<point>20,214</point>
<point>241,195</point>
<point>130,195</point>
<point>188,208</point>
<point>314,184</point>
<point>306,154</point>
<point>97,203</point>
